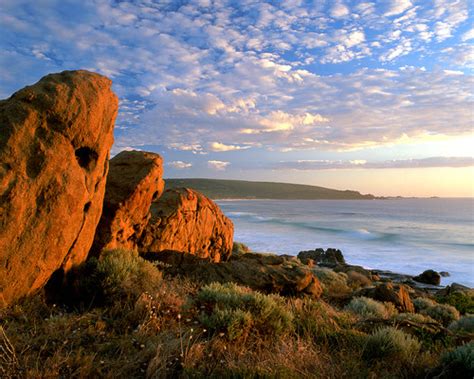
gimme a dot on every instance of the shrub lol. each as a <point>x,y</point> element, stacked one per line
<point>368,308</point>
<point>391,342</point>
<point>332,282</point>
<point>443,313</point>
<point>413,317</point>
<point>240,248</point>
<point>463,302</point>
<point>421,303</point>
<point>239,311</point>
<point>465,323</point>
<point>356,280</point>
<point>459,363</point>
<point>117,274</point>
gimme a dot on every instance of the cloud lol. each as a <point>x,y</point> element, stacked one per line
<point>395,7</point>
<point>218,165</point>
<point>217,146</point>
<point>180,165</point>
<point>339,10</point>
<point>468,35</point>
<point>389,164</point>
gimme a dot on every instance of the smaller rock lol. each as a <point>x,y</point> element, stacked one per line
<point>394,293</point>
<point>330,257</point>
<point>429,277</point>
<point>444,274</point>
<point>262,272</point>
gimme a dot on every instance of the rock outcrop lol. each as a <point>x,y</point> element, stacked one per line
<point>55,138</point>
<point>133,182</point>
<point>330,257</point>
<point>184,220</point>
<point>393,293</point>
<point>429,277</point>
<point>266,273</point>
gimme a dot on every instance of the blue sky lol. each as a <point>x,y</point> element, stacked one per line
<point>334,93</point>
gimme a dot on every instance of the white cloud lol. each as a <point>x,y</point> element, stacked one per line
<point>363,164</point>
<point>217,146</point>
<point>218,165</point>
<point>468,35</point>
<point>180,165</point>
<point>339,10</point>
<point>396,7</point>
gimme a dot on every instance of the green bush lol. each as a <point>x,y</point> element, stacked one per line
<point>240,248</point>
<point>465,324</point>
<point>117,274</point>
<point>391,343</point>
<point>238,311</point>
<point>463,302</point>
<point>357,280</point>
<point>443,313</point>
<point>422,303</point>
<point>331,281</point>
<point>369,308</point>
<point>459,363</point>
<point>413,317</point>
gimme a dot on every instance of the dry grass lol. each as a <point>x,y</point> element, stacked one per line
<point>159,334</point>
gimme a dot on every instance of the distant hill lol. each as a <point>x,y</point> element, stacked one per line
<point>239,189</point>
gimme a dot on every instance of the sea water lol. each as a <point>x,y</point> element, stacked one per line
<point>401,235</point>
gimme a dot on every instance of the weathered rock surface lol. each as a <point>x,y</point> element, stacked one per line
<point>330,257</point>
<point>429,277</point>
<point>133,182</point>
<point>55,138</point>
<point>265,273</point>
<point>184,220</point>
<point>393,293</point>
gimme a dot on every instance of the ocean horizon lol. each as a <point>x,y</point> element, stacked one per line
<point>403,235</point>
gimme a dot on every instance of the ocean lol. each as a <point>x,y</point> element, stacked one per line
<point>401,235</point>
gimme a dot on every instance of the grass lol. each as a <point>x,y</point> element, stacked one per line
<point>369,308</point>
<point>172,327</point>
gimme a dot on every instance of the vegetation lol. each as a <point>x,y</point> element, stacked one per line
<point>465,324</point>
<point>462,301</point>
<point>240,248</point>
<point>237,311</point>
<point>151,326</point>
<point>369,308</point>
<point>459,363</point>
<point>443,313</point>
<point>393,344</point>
<point>333,283</point>
<point>239,189</point>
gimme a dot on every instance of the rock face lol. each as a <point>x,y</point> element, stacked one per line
<point>265,273</point>
<point>393,293</point>
<point>184,220</point>
<point>133,182</point>
<point>429,277</point>
<point>55,138</point>
<point>330,257</point>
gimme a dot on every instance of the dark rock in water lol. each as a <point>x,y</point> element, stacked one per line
<point>262,272</point>
<point>429,277</point>
<point>453,288</point>
<point>393,293</point>
<point>330,257</point>
<point>444,274</point>
<point>134,181</point>
<point>55,139</point>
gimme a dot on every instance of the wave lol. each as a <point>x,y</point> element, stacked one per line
<point>361,233</point>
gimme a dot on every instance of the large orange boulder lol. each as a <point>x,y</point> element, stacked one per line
<point>55,138</point>
<point>187,221</point>
<point>134,181</point>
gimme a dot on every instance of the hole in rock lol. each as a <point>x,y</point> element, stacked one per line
<point>87,206</point>
<point>86,157</point>
<point>155,196</point>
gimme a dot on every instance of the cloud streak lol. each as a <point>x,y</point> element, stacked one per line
<point>430,162</point>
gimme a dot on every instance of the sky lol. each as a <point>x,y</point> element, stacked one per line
<point>374,96</point>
